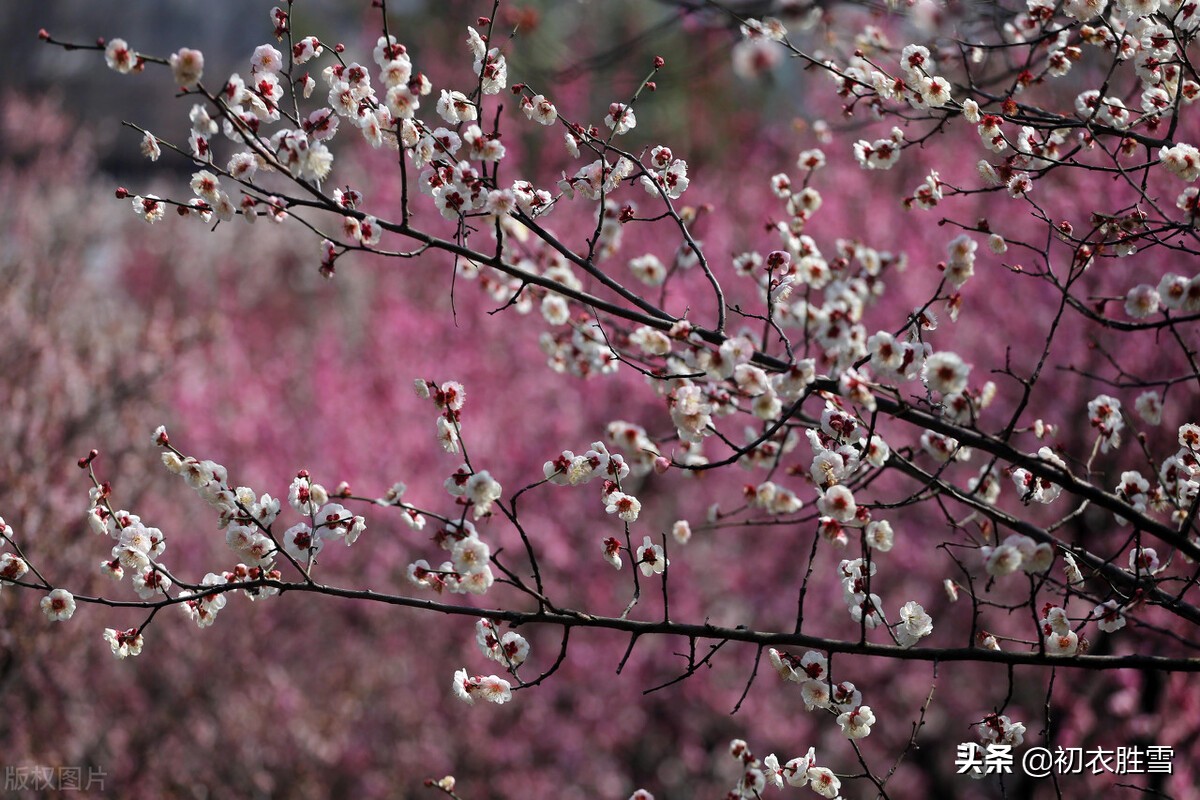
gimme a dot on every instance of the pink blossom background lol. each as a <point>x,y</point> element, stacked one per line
<point>232,340</point>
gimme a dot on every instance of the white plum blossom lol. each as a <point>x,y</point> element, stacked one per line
<point>879,154</point>
<point>946,373</point>
<point>482,490</point>
<point>915,624</point>
<point>59,605</point>
<point>150,208</point>
<point>822,781</point>
<point>856,724</point>
<point>491,688</point>
<point>1182,160</point>
<point>650,558</point>
<point>999,729</point>
<point>12,567</point>
<point>471,555</point>
<point>150,148</point>
<point>447,435</point>
<point>1149,407</point>
<point>1141,301</point>
<point>539,110</point>
<point>1104,412</point>
<point>838,502</point>
<point>1062,644</point>
<point>299,542</point>
<point>879,536</point>
<point>796,769</point>
<point>1035,489</point>
<point>960,262</point>
<point>612,552</point>
<point>1109,616</point>
<point>119,57</point>
<point>187,67</point>
<point>1144,560</point>
<point>1059,639</point>
<point>815,694</point>
<point>1071,570</point>
<point>1002,560</point>
<point>124,643</point>
<point>510,649</point>
<point>620,119</point>
<point>625,506</point>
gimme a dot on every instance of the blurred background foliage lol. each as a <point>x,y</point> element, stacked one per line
<point>232,339</point>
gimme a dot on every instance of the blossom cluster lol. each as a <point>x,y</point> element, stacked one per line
<point>811,353</point>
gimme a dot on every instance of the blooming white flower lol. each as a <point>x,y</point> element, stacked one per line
<point>960,261</point>
<point>650,558</point>
<point>1039,490</point>
<point>1056,620</point>
<point>1141,301</point>
<point>1144,560</point>
<point>648,269</point>
<point>150,208</point>
<point>1002,560</point>
<point>796,769</point>
<point>784,664</point>
<point>150,148</point>
<point>856,724</point>
<point>540,110</point>
<point>12,567</point>
<point>814,665</point>
<point>772,771</point>
<point>482,490</point>
<point>512,650</point>
<point>879,535</point>
<point>119,57</point>
<point>1189,436</point>
<point>306,49</point>
<point>1104,413</point>
<point>915,624</point>
<point>465,687</point>
<point>810,160</point>
<point>58,606</point>
<point>620,119</point>
<point>1062,644</point>
<point>471,555</point>
<point>299,542</point>
<point>266,59</point>
<point>447,435</point>
<point>999,729</point>
<point>951,589</point>
<point>150,583</point>
<point>822,781</point>
<point>838,502</point>
<point>625,506</point>
<point>124,643</point>
<point>970,111</point>
<point>612,552</point>
<point>1182,160</point>
<point>1109,616</point>
<point>1149,407</point>
<point>879,154</point>
<point>187,67</point>
<point>946,373</point>
<point>1071,569</point>
<point>455,107</point>
<point>815,694</point>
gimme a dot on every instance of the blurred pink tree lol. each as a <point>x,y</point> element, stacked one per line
<point>911,430</point>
